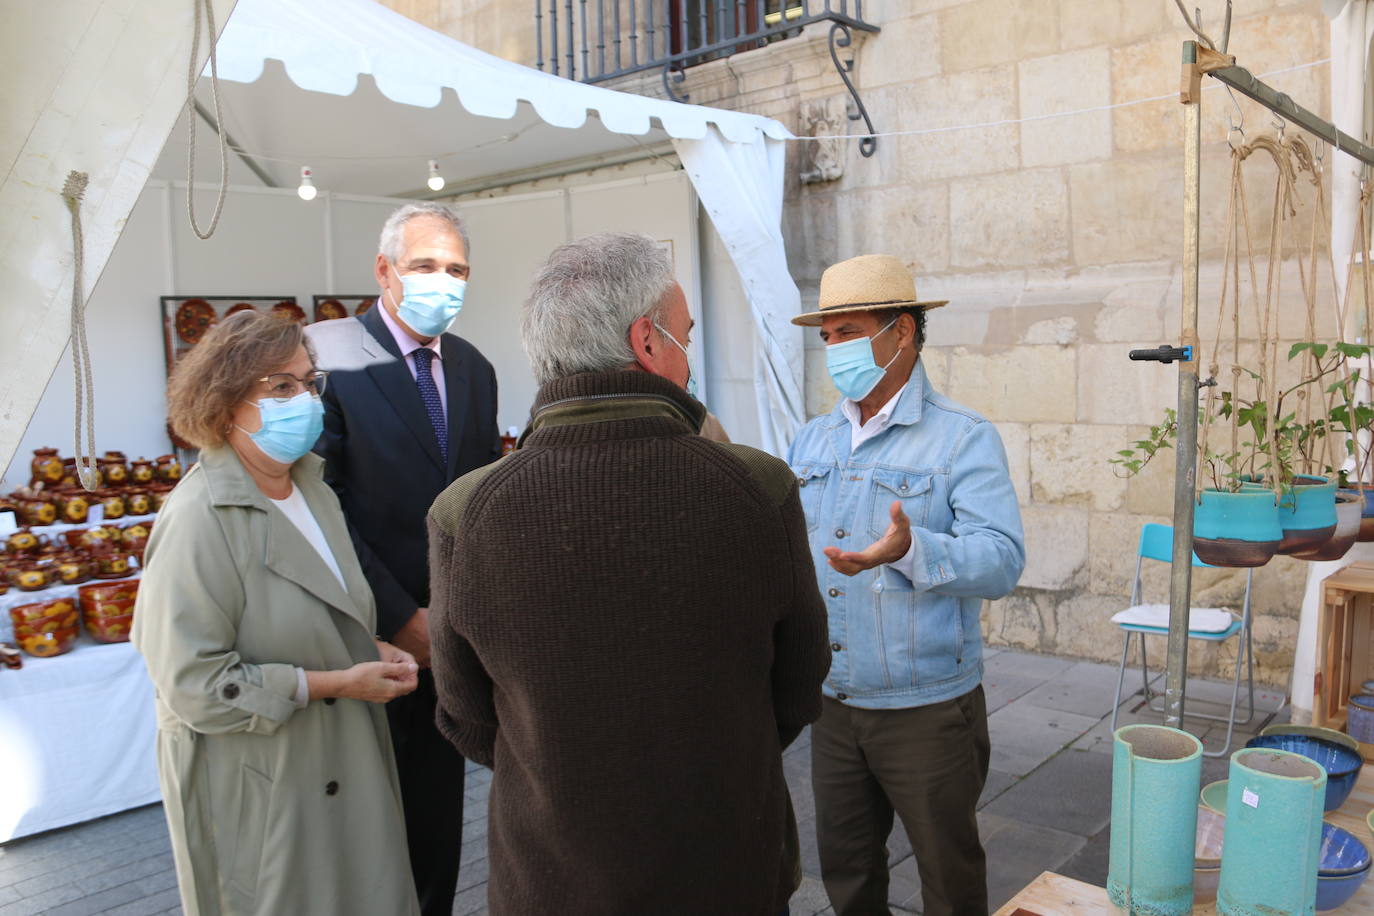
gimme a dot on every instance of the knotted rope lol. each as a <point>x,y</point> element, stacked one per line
<point>72,191</point>
<point>191,122</point>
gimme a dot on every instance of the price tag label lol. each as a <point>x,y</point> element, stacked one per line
<point>1250,798</point>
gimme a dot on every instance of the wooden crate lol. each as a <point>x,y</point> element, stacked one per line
<point>1345,647</point>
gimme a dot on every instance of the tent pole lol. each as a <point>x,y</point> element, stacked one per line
<point>1185,469</point>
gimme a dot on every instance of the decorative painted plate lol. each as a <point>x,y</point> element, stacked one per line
<point>289,310</point>
<point>363,307</point>
<point>239,307</point>
<point>330,308</point>
<point>194,317</point>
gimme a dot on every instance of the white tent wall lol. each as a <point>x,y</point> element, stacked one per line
<point>271,243</point>
<point>83,93</point>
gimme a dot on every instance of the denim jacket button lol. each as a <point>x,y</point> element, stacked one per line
<point>841,696</point>
<point>839,532</point>
<point>834,593</point>
<point>835,647</point>
<point>801,481</point>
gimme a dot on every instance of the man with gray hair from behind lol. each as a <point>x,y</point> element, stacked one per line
<point>624,619</point>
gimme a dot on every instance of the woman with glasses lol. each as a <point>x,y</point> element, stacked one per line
<point>257,626</point>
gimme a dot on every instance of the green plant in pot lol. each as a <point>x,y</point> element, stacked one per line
<point>1236,519</point>
<point>1347,417</point>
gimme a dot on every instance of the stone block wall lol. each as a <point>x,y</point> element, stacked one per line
<point>1057,238</point>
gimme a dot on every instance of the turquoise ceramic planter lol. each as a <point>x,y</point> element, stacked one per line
<point>1307,514</point>
<point>1272,850</point>
<point>1156,773</point>
<point>1237,529</point>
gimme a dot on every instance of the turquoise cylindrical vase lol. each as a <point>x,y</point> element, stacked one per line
<point>1156,776</point>
<point>1272,848</point>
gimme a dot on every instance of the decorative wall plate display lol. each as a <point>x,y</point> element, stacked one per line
<point>193,318</point>
<point>339,305</point>
<point>186,319</point>
<point>289,310</point>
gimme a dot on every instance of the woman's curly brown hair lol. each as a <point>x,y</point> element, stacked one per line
<point>221,370</point>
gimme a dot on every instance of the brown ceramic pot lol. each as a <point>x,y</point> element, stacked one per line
<point>157,495</point>
<point>113,500</point>
<point>91,540</point>
<point>46,628</point>
<point>110,629</point>
<point>45,468</point>
<point>113,565</point>
<point>74,568</point>
<point>73,506</point>
<point>37,511</point>
<point>134,538</point>
<point>168,468</point>
<point>141,472</point>
<point>23,541</point>
<point>32,576</point>
<point>107,599</point>
<point>115,467</point>
<point>137,501</point>
<point>71,480</point>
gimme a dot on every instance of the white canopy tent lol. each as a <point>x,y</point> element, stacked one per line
<point>363,94</point>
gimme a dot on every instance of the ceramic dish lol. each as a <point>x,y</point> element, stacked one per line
<point>1336,890</point>
<point>1341,852</point>
<point>194,317</point>
<point>1211,830</point>
<point>1314,731</point>
<point>1342,765</point>
<point>1214,796</point>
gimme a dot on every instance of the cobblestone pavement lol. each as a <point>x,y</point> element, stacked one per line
<point>1046,805</point>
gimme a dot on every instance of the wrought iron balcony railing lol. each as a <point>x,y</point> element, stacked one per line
<point>596,40</point>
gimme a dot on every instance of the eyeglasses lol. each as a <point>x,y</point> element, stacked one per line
<point>283,386</point>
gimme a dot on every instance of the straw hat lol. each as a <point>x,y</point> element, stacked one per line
<point>868,283</point>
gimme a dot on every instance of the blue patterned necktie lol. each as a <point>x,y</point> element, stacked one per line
<point>429,393</point>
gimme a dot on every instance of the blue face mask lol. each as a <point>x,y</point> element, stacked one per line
<point>430,302</point>
<point>289,428</point>
<point>852,367</point>
<point>691,379</point>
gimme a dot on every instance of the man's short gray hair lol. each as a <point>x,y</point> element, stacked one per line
<point>584,299</point>
<point>392,242</point>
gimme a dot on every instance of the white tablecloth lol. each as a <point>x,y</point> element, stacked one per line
<point>77,738</point>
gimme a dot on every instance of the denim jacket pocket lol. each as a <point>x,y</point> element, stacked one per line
<point>812,482</point>
<point>912,489</point>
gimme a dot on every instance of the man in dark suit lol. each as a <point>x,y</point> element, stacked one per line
<point>409,408</point>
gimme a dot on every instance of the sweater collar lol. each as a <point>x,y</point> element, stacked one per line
<point>595,397</point>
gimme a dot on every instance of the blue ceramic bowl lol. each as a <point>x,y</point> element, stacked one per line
<point>1336,890</point>
<point>1342,765</point>
<point>1341,852</point>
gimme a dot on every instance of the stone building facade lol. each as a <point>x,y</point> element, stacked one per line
<point>1057,237</point>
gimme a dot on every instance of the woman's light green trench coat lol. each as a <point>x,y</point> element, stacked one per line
<point>272,809</point>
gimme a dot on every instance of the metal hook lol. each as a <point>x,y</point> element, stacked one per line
<point>1279,125</point>
<point>1237,125</point>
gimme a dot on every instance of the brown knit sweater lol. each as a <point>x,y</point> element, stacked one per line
<point>626,628</point>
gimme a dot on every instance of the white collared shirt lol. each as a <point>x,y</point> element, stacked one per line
<point>859,433</point>
<point>408,345</point>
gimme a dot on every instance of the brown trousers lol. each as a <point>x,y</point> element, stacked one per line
<point>926,763</point>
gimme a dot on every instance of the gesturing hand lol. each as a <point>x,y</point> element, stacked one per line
<point>889,548</point>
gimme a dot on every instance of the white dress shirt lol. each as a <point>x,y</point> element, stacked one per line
<point>859,433</point>
<point>408,345</point>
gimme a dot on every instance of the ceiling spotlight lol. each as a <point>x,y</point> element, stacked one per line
<point>307,189</point>
<point>436,181</point>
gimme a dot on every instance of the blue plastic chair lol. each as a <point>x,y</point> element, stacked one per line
<point>1157,544</point>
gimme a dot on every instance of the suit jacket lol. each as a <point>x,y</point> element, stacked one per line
<point>381,454</point>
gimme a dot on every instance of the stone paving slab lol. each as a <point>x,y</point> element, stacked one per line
<point>1086,688</point>
<point>1073,794</point>
<point>1025,736</point>
<point>1017,852</point>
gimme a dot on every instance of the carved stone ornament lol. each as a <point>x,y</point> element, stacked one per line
<point>822,160</point>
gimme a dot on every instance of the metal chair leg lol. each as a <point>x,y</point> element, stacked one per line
<point>1120,677</point>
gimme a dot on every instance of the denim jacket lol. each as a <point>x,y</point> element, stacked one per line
<point>900,641</point>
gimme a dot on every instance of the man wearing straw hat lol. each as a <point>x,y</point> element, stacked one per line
<point>913,522</point>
